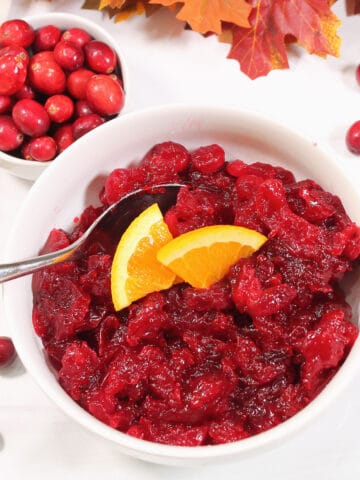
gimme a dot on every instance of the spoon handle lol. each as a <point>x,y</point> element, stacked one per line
<point>10,271</point>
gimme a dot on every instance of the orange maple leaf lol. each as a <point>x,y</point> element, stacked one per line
<point>206,15</point>
<point>261,48</point>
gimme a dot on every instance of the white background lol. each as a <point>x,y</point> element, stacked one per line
<point>167,64</point>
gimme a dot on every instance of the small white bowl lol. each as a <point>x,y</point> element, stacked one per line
<point>78,175</point>
<point>28,169</point>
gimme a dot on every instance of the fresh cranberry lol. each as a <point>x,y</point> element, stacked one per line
<point>82,107</point>
<point>77,36</point>
<point>10,136</point>
<point>7,351</point>
<point>42,149</point>
<point>6,103</point>
<point>77,82</point>
<point>64,136</point>
<point>25,92</point>
<point>31,117</point>
<point>13,69</point>
<point>45,74</point>
<point>68,56</point>
<point>86,123</point>
<point>46,38</point>
<point>208,159</point>
<point>353,138</point>
<point>100,57</point>
<point>25,153</point>
<point>357,74</point>
<point>117,79</point>
<point>16,32</point>
<point>104,95</point>
<point>60,108</point>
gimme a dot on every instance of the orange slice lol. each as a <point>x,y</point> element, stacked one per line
<point>135,270</point>
<point>203,256</point>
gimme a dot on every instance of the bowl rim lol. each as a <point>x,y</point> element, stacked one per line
<point>47,18</point>
<point>149,450</point>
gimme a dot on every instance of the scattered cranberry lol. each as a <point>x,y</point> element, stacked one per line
<point>46,75</point>
<point>100,57</point>
<point>46,38</point>
<point>13,69</point>
<point>104,95</point>
<point>353,138</point>
<point>208,159</point>
<point>357,74</point>
<point>60,108</point>
<point>68,56</point>
<point>77,82</point>
<point>31,117</point>
<point>82,107</point>
<point>64,137</point>
<point>77,36</point>
<point>42,149</point>
<point>7,351</point>
<point>5,103</point>
<point>10,136</point>
<point>86,123</point>
<point>16,32</point>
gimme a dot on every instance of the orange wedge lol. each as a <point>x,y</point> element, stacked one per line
<point>135,270</point>
<point>203,256</point>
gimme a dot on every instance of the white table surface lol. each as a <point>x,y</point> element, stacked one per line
<point>319,98</point>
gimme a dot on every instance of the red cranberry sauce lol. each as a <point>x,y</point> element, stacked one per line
<point>197,367</point>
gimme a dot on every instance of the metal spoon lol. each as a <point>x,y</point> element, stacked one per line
<point>113,222</point>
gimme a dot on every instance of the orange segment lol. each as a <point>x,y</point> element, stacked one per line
<point>203,256</point>
<point>135,270</point>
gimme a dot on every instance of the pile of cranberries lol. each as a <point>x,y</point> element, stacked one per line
<point>55,86</point>
<point>353,134</point>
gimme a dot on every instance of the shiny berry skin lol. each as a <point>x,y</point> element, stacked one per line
<point>31,117</point>
<point>42,149</point>
<point>45,74</point>
<point>6,103</point>
<point>60,108</point>
<point>25,92</point>
<point>173,155</point>
<point>10,136</point>
<point>13,69</point>
<point>64,136</point>
<point>82,107</point>
<point>208,159</point>
<point>353,138</point>
<point>86,123</point>
<point>104,95</point>
<point>46,38</point>
<point>68,56</point>
<point>357,74</point>
<point>100,57</point>
<point>77,82</point>
<point>7,351</point>
<point>77,36</point>
<point>16,32</point>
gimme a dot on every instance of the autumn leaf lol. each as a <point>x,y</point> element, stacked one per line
<point>206,15</point>
<point>262,47</point>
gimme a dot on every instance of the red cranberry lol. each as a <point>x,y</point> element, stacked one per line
<point>86,123</point>
<point>353,138</point>
<point>7,351</point>
<point>68,56</point>
<point>77,36</point>
<point>77,82</point>
<point>46,75</point>
<point>357,74</point>
<point>82,107</point>
<point>208,159</point>
<point>60,108</point>
<point>104,95</point>
<point>10,135</point>
<point>100,57</point>
<point>117,79</point>
<point>25,92</point>
<point>170,154</point>
<point>31,117</point>
<point>64,136</point>
<point>46,38</point>
<point>5,103</point>
<point>25,154</point>
<point>42,149</point>
<point>16,32</point>
<point>13,69</point>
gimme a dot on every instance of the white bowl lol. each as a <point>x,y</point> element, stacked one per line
<point>124,140</point>
<point>28,169</point>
